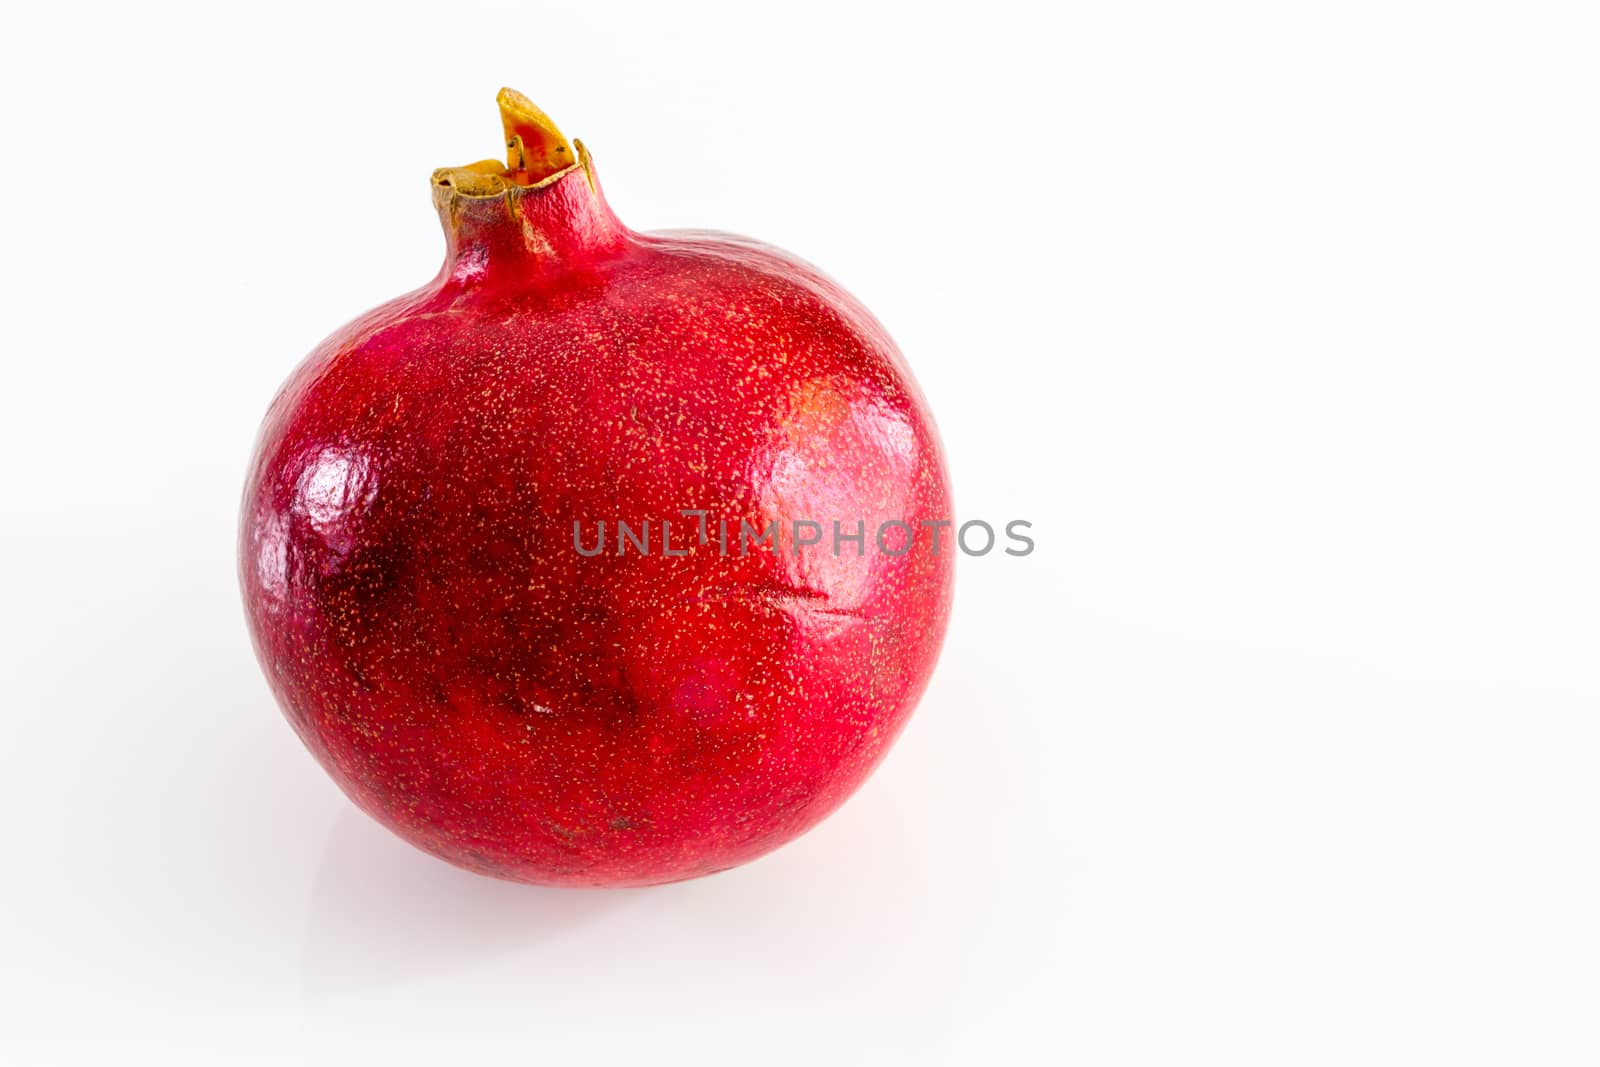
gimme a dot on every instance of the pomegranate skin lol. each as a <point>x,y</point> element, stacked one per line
<point>418,602</point>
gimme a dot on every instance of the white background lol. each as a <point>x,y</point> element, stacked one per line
<point>1279,321</point>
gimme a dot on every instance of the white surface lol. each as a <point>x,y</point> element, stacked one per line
<point>1278,320</point>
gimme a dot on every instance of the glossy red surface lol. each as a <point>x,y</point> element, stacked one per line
<point>495,697</point>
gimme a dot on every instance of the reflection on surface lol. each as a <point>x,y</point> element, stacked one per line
<point>382,912</point>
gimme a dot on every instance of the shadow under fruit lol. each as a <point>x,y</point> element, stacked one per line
<point>497,697</point>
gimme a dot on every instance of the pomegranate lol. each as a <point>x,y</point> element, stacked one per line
<point>605,558</point>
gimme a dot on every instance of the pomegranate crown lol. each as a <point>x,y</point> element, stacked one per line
<point>537,153</point>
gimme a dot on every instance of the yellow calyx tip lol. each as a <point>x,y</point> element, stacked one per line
<point>535,148</point>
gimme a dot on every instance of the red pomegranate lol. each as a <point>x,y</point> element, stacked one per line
<point>738,438</point>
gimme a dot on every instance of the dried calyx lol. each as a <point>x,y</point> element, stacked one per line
<point>536,152</point>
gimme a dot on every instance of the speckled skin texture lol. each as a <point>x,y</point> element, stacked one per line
<point>502,701</point>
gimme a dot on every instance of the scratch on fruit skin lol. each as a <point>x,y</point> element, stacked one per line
<point>782,597</point>
<point>506,704</point>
